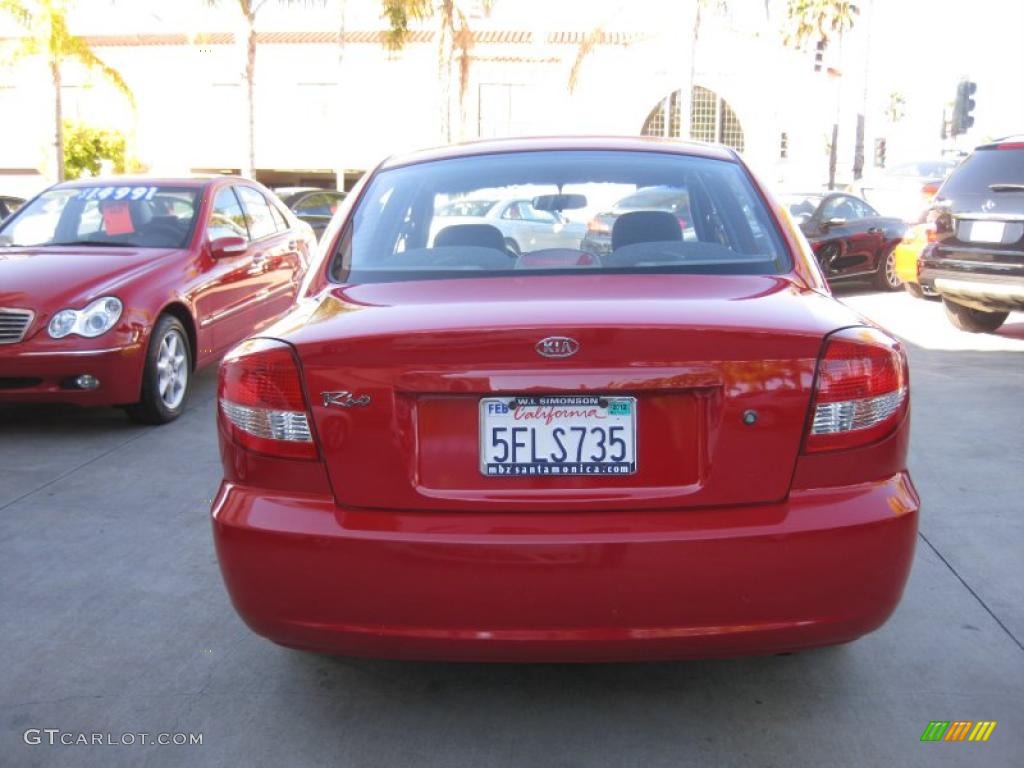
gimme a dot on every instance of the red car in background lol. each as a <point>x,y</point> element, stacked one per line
<point>112,292</point>
<point>683,446</point>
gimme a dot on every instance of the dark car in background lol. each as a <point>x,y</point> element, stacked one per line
<point>977,261</point>
<point>674,200</point>
<point>312,205</point>
<point>849,237</point>
<point>9,205</point>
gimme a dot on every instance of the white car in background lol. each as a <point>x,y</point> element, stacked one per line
<point>524,227</point>
<point>905,190</point>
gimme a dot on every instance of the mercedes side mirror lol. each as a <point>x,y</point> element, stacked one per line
<point>226,247</point>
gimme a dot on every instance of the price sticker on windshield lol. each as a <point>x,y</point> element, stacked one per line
<point>117,193</point>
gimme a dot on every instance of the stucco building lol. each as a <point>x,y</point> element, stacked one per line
<point>332,100</point>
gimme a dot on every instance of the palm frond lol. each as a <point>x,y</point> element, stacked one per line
<point>399,13</point>
<point>464,44</point>
<point>818,21</point>
<point>80,50</point>
<point>24,47</point>
<point>592,38</point>
<point>17,11</point>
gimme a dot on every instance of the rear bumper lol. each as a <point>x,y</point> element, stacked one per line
<point>29,374</point>
<point>996,286</point>
<point>823,567</point>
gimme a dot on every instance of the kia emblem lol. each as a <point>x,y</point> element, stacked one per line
<point>557,346</point>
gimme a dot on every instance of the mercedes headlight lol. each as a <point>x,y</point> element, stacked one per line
<point>96,319</point>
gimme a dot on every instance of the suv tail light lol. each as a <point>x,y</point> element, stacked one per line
<point>940,224</point>
<point>261,401</point>
<point>860,390</point>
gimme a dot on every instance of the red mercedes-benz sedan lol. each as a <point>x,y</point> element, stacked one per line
<point>112,292</point>
<point>681,447</point>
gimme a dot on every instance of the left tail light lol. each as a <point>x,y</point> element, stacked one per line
<point>262,405</point>
<point>940,224</point>
<point>860,391</point>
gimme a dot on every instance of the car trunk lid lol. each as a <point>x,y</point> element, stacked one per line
<point>720,371</point>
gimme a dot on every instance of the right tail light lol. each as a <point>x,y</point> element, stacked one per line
<point>861,390</point>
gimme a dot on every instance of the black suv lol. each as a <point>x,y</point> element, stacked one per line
<point>977,261</point>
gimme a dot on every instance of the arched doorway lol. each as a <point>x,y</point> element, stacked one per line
<point>712,119</point>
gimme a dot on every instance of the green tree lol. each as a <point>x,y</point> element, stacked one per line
<point>47,34</point>
<point>453,34</point>
<point>897,108</point>
<point>249,9</point>
<point>86,147</point>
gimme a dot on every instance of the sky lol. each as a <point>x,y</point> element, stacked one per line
<point>924,48</point>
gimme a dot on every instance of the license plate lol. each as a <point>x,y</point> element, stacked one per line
<point>986,231</point>
<point>559,435</point>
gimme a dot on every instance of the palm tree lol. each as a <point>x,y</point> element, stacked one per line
<point>818,21</point>
<point>596,35</point>
<point>249,10</point>
<point>721,6</point>
<point>453,34</point>
<point>47,34</point>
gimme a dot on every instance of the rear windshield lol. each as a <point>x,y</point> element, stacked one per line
<point>984,168</point>
<point>137,216</point>
<point>528,213</point>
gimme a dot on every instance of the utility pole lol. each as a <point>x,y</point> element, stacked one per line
<point>858,150</point>
<point>339,104</point>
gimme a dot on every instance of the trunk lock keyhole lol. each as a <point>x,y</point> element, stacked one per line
<point>750,418</point>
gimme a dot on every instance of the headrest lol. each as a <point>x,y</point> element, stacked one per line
<point>480,235</point>
<point>645,227</point>
<point>141,213</point>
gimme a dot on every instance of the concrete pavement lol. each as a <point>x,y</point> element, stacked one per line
<point>113,618</point>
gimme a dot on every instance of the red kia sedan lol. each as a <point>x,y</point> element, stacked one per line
<point>680,447</point>
<point>112,292</point>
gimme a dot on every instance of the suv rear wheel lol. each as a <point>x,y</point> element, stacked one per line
<point>973,320</point>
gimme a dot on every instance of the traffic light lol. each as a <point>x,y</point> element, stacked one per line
<point>879,153</point>
<point>962,117</point>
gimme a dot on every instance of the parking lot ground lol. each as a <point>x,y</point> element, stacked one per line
<point>113,618</point>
